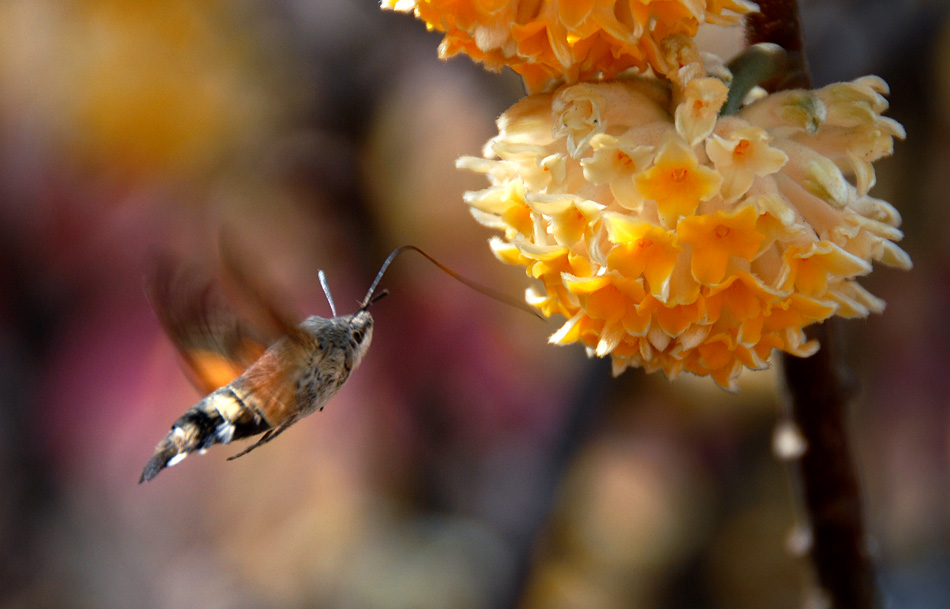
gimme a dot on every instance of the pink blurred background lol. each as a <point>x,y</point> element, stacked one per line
<point>466,464</point>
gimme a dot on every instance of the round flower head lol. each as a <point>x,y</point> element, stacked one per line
<point>549,41</point>
<point>676,239</point>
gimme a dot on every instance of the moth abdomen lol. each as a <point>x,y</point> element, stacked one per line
<point>220,418</point>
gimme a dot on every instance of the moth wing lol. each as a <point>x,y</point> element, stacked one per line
<point>270,386</point>
<point>214,341</point>
<point>258,295</point>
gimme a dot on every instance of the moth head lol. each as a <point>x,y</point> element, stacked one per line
<point>361,334</point>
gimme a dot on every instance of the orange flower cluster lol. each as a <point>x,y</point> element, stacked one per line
<point>553,41</point>
<point>675,239</point>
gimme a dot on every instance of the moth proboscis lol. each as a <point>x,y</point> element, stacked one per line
<point>259,379</point>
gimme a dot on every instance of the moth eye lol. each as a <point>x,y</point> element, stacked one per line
<point>358,335</point>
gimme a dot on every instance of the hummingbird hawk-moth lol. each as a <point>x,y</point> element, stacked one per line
<point>259,378</point>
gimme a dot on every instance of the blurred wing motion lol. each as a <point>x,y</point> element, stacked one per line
<point>250,371</point>
<point>260,297</point>
<point>212,339</point>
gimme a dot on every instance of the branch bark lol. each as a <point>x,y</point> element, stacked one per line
<point>819,391</point>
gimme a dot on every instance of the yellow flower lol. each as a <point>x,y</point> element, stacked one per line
<point>717,238</point>
<point>696,116</point>
<point>642,248</point>
<point>675,240</point>
<point>810,268</point>
<point>740,155</point>
<point>554,41</point>
<point>615,161</point>
<point>677,182</point>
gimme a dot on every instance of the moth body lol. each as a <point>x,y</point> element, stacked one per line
<point>259,379</point>
<point>294,377</point>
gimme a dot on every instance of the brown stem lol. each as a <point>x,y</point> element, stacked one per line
<point>819,390</point>
<point>778,22</point>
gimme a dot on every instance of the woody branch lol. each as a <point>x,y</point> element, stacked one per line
<point>818,392</point>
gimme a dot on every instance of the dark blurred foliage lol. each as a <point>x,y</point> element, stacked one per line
<point>466,463</point>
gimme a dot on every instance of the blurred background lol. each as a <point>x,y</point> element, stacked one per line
<point>466,464</point>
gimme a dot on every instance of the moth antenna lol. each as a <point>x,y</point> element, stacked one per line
<point>368,299</point>
<point>487,291</point>
<point>326,290</point>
